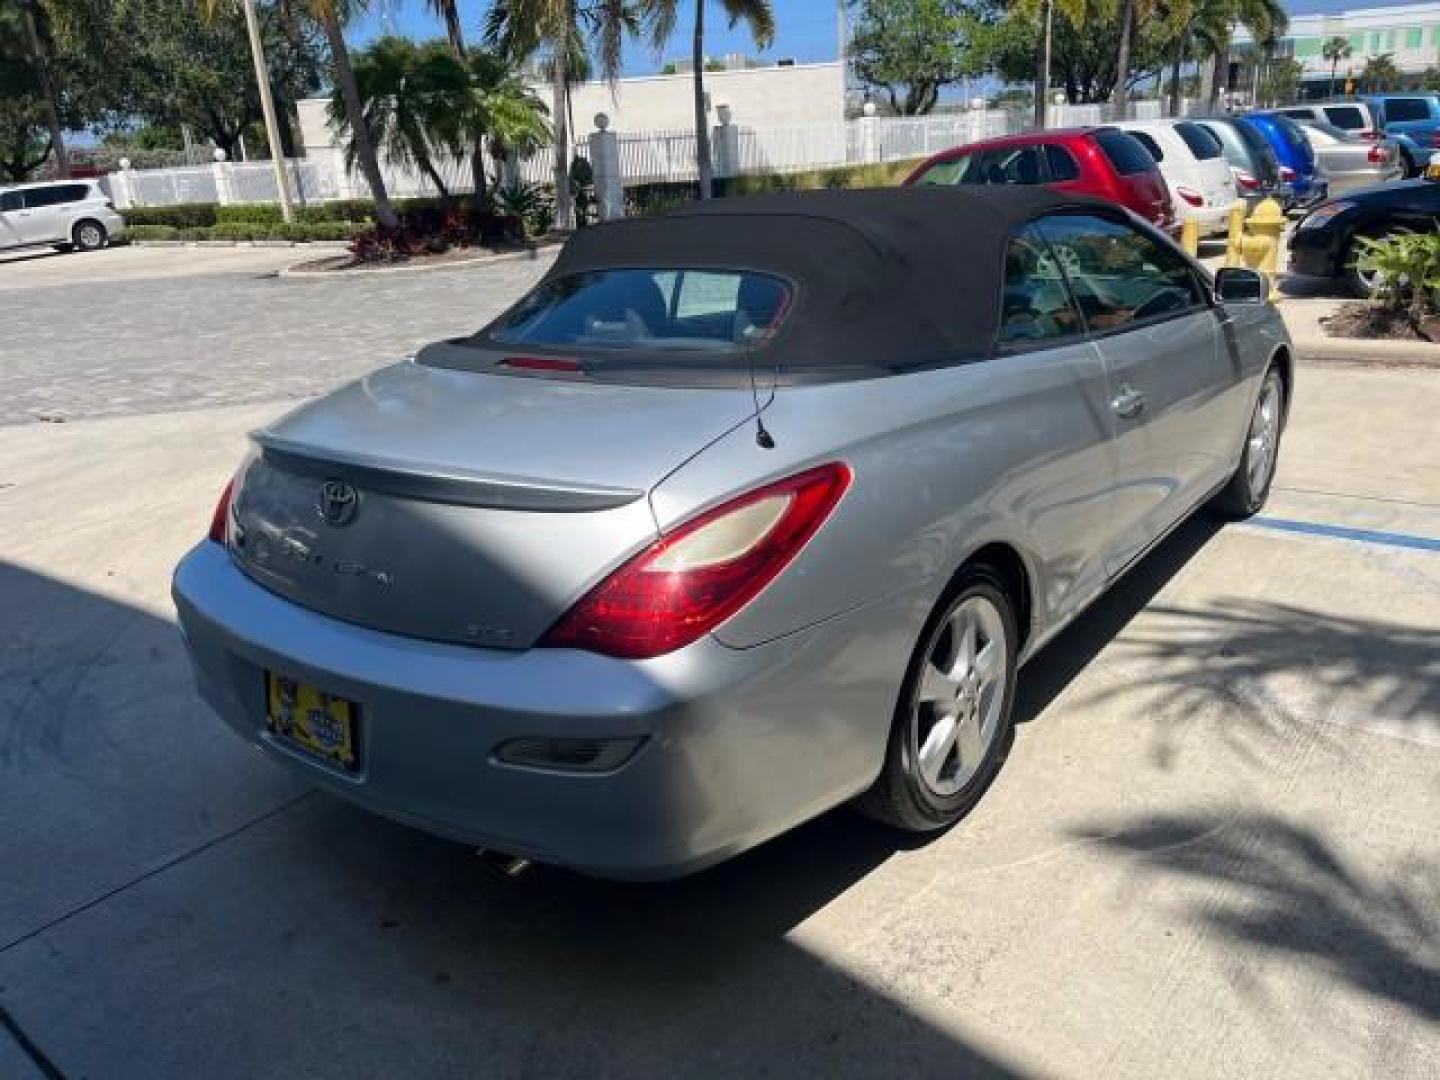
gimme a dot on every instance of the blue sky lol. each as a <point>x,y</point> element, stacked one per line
<point>806,30</point>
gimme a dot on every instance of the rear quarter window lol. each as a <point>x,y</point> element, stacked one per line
<point>956,170</point>
<point>1062,163</point>
<point>1401,109</point>
<point>1125,154</point>
<point>1345,117</point>
<point>1204,145</point>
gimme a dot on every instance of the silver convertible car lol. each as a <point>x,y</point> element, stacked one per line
<point>743,512</point>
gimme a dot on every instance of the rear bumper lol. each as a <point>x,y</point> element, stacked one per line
<point>740,744</point>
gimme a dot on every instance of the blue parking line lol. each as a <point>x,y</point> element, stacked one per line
<point>1341,532</point>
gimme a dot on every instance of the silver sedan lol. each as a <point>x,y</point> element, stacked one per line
<point>1350,162</point>
<point>742,513</point>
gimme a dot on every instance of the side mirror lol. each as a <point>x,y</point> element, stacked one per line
<point>1236,285</point>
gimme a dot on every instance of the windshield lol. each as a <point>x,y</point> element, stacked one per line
<point>648,311</point>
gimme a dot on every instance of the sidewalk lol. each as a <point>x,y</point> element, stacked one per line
<point>1305,303</point>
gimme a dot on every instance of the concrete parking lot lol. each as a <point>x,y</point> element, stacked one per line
<point>1213,851</point>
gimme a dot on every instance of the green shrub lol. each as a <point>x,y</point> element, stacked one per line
<point>152,232</point>
<point>185,216</point>
<point>248,213</point>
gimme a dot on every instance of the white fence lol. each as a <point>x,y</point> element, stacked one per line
<point>644,157</point>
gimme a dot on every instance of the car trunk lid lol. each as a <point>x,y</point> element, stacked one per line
<point>462,506</point>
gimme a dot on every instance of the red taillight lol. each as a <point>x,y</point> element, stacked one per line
<point>1435,138</point>
<point>695,577</point>
<point>1378,155</point>
<point>1286,173</point>
<point>220,520</point>
<point>1246,181</point>
<point>1190,195</point>
<point>541,363</point>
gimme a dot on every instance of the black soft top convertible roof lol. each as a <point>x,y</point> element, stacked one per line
<point>883,278</point>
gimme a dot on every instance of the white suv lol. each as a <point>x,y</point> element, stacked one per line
<point>61,214</point>
<point>1193,163</point>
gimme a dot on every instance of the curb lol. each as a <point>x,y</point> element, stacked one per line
<point>1363,352</point>
<point>291,273</point>
<point>336,245</point>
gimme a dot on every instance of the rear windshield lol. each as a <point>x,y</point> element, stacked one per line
<point>1126,155</point>
<point>648,311</point>
<point>1144,139</point>
<point>1348,117</point>
<point>1204,145</point>
<point>1406,109</point>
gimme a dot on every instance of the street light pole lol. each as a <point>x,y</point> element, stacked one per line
<point>267,106</point>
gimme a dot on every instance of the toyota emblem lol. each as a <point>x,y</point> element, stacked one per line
<point>338,503</point>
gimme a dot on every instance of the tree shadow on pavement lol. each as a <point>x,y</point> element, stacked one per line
<point>1286,890</point>
<point>1058,664</point>
<point>1248,655</point>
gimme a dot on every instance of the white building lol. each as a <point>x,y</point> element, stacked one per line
<point>1409,33</point>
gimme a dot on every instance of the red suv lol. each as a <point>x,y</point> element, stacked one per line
<point>1105,162</point>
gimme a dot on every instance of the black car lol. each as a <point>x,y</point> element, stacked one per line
<point>1323,244</point>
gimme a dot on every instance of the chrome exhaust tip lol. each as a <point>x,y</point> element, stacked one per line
<point>510,866</point>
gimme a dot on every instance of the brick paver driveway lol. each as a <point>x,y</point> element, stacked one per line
<point>80,341</point>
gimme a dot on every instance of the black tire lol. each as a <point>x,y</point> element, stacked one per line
<point>1407,160</point>
<point>1246,492</point>
<point>901,796</point>
<point>88,235</point>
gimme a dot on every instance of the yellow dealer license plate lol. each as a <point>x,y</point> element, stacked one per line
<point>316,722</point>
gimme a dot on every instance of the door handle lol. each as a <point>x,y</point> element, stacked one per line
<point>1129,403</point>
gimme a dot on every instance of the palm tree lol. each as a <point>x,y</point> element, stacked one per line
<point>1335,49</point>
<point>758,15</point>
<point>505,112</point>
<point>1380,73</point>
<point>26,33</point>
<point>413,98</point>
<point>564,33</point>
<point>449,11</point>
<point>1213,24</point>
<point>331,15</point>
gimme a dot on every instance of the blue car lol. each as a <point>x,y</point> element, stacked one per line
<point>1299,173</point>
<point>1412,120</point>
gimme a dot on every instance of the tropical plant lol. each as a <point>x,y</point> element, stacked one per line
<point>757,15</point>
<point>414,102</point>
<point>1281,81</point>
<point>506,115</point>
<point>1335,49</point>
<point>1407,267</point>
<point>1380,73</point>
<point>528,204</point>
<point>563,34</point>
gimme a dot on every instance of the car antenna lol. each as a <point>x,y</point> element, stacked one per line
<point>763,438</point>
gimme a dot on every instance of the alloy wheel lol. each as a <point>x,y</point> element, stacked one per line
<point>1264,438</point>
<point>960,695</point>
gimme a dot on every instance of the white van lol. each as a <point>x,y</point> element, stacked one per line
<point>61,214</point>
<point>1193,163</point>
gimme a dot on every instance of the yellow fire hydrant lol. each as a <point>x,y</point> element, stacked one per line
<point>1267,223</point>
